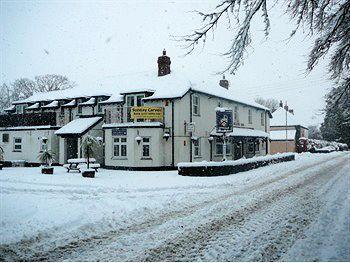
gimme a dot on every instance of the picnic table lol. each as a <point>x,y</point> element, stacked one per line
<point>75,164</point>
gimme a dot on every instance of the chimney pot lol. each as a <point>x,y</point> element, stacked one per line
<point>224,82</point>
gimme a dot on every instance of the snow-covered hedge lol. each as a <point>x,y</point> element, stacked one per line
<point>324,146</point>
<point>206,168</point>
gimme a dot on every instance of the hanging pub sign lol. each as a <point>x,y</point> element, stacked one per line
<point>144,112</point>
<point>224,120</point>
<point>119,131</point>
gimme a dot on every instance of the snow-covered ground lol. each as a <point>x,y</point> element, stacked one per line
<point>291,211</point>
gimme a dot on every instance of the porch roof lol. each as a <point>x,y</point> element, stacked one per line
<point>78,127</point>
<point>243,132</point>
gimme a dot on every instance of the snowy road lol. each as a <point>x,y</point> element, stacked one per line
<point>290,211</point>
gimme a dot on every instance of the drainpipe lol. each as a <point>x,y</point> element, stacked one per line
<point>190,122</point>
<point>267,139</point>
<point>172,134</point>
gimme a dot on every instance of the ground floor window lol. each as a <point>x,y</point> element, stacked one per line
<point>197,147</point>
<point>250,147</point>
<point>219,146</point>
<point>120,147</point>
<point>5,138</point>
<point>17,144</point>
<point>257,146</point>
<point>146,147</point>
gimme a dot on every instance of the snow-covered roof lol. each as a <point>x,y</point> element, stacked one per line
<point>280,135</point>
<point>133,124</point>
<point>70,104</point>
<point>11,108</point>
<point>34,106</point>
<point>115,98</point>
<point>78,126</point>
<point>279,119</point>
<point>243,132</point>
<point>89,102</point>
<point>174,85</point>
<point>53,104</point>
<point>40,127</point>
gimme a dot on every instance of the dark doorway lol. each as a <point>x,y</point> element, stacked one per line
<point>237,150</point>
<point>72,148</point>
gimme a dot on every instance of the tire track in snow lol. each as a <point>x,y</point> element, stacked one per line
<point>188,246</point>
<point>36,248</point>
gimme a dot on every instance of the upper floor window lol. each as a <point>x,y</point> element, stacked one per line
<point>131,101</point>
<point>196,106</point>
<point>250,117</point>
<point>99,105</point>
<point>80,108</point>
<point>19,109</point>
<point>17,144</point>
<point>262,117</point>
<point>236,115</point>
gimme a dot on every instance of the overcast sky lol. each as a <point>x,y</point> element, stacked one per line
<point>89,41</point>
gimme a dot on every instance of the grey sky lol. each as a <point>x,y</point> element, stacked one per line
<point>92,40</point>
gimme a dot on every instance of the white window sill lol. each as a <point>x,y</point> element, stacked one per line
<point>119,158</point>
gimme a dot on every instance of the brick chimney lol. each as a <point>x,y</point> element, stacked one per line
<point>224,82</point>
<point>163,64</point>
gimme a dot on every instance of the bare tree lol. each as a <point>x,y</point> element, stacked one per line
<point>5,96</point>
<point>22,88</point>
<point>331,19</point>
<point>270,103</point>
<point>50,82</point>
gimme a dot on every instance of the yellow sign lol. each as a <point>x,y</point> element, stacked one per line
<point>143,112</point>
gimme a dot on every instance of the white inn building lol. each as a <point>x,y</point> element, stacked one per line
<point>149,121</point>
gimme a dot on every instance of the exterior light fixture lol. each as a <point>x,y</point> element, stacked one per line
<point>166,136</point>
<point>138,139</point>
<point>44,139</point>
<point>194,138</point>
<point>211,139</point>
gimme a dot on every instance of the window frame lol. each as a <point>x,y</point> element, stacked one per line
<point>3,137</point>
<point>250,116</point>
<point>236,115</point>
<point>143,156</point>
<point>122,143</point>
<point>197,148</point>
<point>196,105</point>
<point>262,118</point>
<point>17,144</point>
<point>220,142</point>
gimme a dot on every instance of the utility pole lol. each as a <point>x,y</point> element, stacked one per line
<point>287,109</point>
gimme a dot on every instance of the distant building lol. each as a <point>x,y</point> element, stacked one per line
<point>295,131</point>
<point>146,121</point>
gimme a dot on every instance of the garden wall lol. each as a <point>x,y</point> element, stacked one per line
<point>231,167</point>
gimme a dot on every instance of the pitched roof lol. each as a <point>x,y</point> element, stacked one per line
<point>78,126</point>
<point>174,85</point>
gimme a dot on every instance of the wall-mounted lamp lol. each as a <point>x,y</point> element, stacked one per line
<point>166,136</point>
<point>44,139</point>
<point>194,138</point>
<point>138,139</point>
<point>210,139</point>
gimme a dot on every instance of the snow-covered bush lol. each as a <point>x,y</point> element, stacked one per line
<point>46,157</point>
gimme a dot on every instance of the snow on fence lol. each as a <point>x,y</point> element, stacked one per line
<point>231,167</point>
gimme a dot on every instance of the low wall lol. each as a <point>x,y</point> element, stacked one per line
<point>231,167</point>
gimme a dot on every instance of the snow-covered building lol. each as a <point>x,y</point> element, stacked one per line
<point>284,134</point>
<point>147,121</point>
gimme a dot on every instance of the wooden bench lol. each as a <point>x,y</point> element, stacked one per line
<point>72,167</point>
<point>74,164</point>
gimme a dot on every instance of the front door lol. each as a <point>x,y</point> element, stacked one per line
<point>72,148</point>
<point>237,151</point>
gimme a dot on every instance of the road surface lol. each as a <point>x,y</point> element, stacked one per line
<point>298,213</point>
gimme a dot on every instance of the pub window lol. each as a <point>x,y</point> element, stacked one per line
<point>236,115</point>
<point>5,137</point>
<point>219,146</point>
<point>197,147</point>
<point>257,146</point>
<point>120,147</point>
<point>146,147</point>
<point>17,144</point>
<point>80,107</point>
<point>262,119</point>
<point>99,105</point>
<point>196,108</point>
<point>250,147</point>
<point>250,117</point>
<point>62,110</point>
<point>19,109</point>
